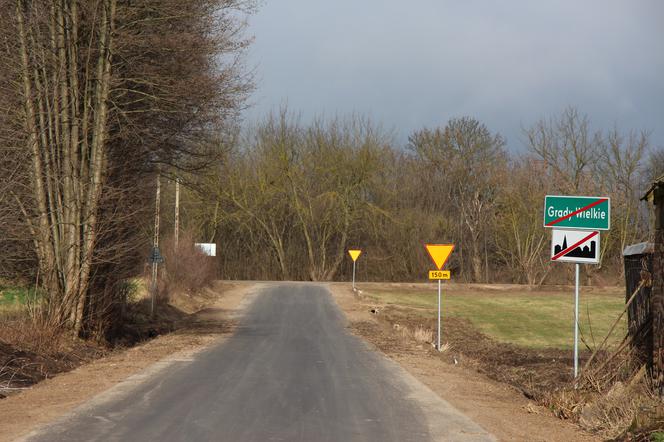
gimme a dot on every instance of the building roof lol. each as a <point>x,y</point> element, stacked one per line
<point>641,248</point>
<point>659,182</point>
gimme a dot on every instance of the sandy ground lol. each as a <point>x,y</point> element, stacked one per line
<point>499,408</point>
<point>52,398</point>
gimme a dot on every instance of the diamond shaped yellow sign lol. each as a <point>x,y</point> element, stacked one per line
<point>439,253</point>
<point>354,254</point>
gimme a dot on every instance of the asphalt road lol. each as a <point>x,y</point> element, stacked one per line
<point>291,372</point>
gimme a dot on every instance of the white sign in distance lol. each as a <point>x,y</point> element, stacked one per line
<point>209,249</point>
<point>580,246</point>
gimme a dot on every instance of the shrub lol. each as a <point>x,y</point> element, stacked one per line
<point>188,268</point>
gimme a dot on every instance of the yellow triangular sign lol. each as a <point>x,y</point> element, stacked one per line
<point>354,254</point>
<point>439,253</point>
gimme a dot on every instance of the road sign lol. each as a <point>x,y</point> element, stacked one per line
<point>439,253</point>
<point>354,254</point>
<point>577,212</point>
<point>155,256</point>
<point>588,215</point>
<point>439,274</point>
<point>208,249</point>
<point>580,246</point>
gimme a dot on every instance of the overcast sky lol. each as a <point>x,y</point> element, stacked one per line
<point>410,64</point>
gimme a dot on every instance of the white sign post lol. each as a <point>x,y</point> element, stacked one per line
<point>576,321</point>
<point>588,215</point>
<point>208,249</point>
<point>577,246</point>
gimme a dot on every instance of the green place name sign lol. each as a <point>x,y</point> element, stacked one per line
<point>577,212</point>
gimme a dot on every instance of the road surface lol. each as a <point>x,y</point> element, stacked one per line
<point>291,372</point>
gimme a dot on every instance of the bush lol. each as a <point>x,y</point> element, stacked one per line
<point>187,268</point>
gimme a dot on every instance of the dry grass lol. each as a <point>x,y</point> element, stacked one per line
<point>445,347</point>
<point>188,270</point>
<point>31,352</point>
<point>21,324</point>
<point>419,334</point>
<point>24,332</point>
<point>422,334</point>
<point>607,414</point>
<point>609,397</point>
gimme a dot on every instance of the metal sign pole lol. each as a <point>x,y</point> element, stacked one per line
<point>153,289</point>
<point>439,289</point>
<point>353,275</point>
<point>576,324</point>
<point>576,220</point>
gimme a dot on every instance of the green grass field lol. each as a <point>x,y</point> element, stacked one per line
<point>14,299</point>
<point>13,296</point>
<point>524,318</point>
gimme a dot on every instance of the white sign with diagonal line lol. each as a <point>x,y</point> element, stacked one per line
<point>580,246</point>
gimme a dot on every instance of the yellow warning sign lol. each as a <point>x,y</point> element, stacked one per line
<point>354,254</point>
<point>439,253</point>
<point>439,274</point>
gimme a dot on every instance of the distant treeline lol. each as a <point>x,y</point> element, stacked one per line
<point>288,199</point>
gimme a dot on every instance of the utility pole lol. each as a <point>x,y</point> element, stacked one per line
<point>177,213</point>
<point>155,246</point>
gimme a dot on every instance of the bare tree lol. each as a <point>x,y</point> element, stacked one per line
<point>92,85</point>
<point>466,156</point>
<point>568,147</point>
<point>520,239</point>
<point>620,168</point>
<point>290,197</point>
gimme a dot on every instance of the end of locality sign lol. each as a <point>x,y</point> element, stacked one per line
<point>577,212</point>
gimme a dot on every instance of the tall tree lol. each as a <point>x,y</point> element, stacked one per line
<point>466,156</point>
<point>521,241</point>
<point>98,93</point>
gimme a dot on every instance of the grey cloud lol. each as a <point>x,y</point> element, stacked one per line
<point>508,63</point>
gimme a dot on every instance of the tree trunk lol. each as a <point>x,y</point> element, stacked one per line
<point>657,297</point>
<point>65,231</point>
<point>477,260</point>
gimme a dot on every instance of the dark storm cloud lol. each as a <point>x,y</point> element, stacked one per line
<point>419,63</point>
